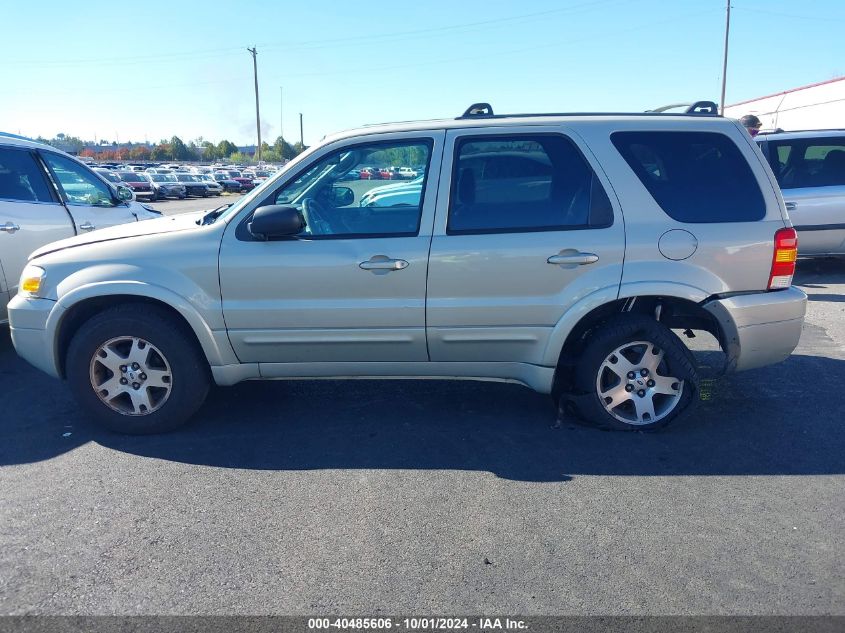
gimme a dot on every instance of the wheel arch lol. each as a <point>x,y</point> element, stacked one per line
<point>672,311</point>
<point>82,304</point>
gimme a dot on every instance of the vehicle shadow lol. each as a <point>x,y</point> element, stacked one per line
<point>779,420</point>
<point>820,272</point>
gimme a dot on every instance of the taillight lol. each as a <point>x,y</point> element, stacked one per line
<point>783,260</point>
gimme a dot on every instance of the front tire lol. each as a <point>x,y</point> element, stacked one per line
<point>136,370</point>
<point>634,375</point>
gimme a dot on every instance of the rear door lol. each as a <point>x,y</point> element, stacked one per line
<point>525,228</point>
<point>811,174</point>
<point>87,197</point>
<point>30,213</point>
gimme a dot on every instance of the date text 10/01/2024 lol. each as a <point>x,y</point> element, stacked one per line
<point>417,624</point>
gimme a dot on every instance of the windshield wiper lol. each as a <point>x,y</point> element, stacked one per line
<point>212,215</point>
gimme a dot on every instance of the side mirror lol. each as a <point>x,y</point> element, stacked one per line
<point>342,196</point>
<point>276,221</point>
<point>124,193</point>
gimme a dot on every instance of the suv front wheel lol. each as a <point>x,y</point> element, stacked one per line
<point>136,371</point>
<point>634,374</point>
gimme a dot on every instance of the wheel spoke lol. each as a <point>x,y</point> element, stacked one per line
<point>139,353</point>
<point>651,360</point>
<point>112,360</point>
<point>111,387</point>
<point>644,406</point>
<point>621,366</point>
<point>158,378</point>
<point>665,385</point>
<point>617,396</point>
<point>140,398</point>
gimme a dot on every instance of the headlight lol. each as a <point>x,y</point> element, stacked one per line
<point>32,281</point>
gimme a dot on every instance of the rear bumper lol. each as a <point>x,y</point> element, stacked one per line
<point>759,329</point>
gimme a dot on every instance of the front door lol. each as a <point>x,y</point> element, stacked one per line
<point>351,286</point>
<point>30,212</point>
<point>88,199</point>
<point>525,229</point>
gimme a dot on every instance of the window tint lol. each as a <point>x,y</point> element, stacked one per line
<point>695,177</point>
<point>808,162</point>
<point>351,192</point>
<point>21,177</point>
<point>524,183</point>
<point>81,186</point>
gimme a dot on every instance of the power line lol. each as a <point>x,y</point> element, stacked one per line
<point>212,53</point>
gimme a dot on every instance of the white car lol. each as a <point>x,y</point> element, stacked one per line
<point>47,195</point>
<point>407,173</point>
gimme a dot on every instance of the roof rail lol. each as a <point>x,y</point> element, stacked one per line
<point>699,108</point>
<point>708,108</point>
<point>477,110</point>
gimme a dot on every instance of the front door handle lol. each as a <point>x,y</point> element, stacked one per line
<point>573,258</point>
<point>87,226</point>
<point>382,262</point>
<point>10,227</point>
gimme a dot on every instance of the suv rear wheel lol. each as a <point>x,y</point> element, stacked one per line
<point>136,371</point>
<point>635,374</point>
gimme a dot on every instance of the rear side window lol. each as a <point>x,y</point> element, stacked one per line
<point>695,177</point>
<point>508,184</point>
<point>799,163</point>
<point>21,177</point>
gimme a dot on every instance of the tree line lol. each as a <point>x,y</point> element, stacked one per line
<point>174,149</point>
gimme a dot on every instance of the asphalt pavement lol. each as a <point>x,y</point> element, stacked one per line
<point>434,497</point>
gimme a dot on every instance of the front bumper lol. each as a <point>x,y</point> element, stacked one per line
<point>32,340</point>
<point>759,329</point>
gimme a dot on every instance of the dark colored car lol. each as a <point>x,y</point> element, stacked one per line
<point>138,183</point>
<point>229,185</point>
<point>193,185</point>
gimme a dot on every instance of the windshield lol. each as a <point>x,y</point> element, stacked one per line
<point>110,176</point>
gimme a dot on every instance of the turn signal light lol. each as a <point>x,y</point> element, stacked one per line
<point>783,261</point>
<point>31,284</point>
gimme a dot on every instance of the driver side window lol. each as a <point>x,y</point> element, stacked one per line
<point>372,190</point>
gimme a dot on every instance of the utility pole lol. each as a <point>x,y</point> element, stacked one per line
<point>254,53</point>
<point>725,62</point>
<point>301,136</point>
<point>281,114</point>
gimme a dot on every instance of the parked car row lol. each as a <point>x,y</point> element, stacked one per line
<point>384,173</point>
<point>176,181</point>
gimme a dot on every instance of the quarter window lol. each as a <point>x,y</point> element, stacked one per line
<point>695,177</point>
<point>81,186</point>
<point>809,162</point>
<point>524,183</point>
<point>359,191</point>
<point>21,178</point>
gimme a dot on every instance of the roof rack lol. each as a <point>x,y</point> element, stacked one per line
<point>699,108</point>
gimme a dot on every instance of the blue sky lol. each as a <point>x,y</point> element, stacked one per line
<point>150,69</point>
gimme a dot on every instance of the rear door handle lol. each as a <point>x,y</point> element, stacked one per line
<point>10,227</point>
<point>791,206</point>
<point>574,258</point>
<point>87,226</point>
<point>381,262</point>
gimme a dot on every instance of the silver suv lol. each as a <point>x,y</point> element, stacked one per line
<point>558,251</point>
<point>810,168</point>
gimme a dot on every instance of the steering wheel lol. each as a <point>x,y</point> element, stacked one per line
<point>315,218</point>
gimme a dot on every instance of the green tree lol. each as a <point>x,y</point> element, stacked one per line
<point>179,150</point>
<point>240,158</point>
<point>283,148</point>
<point>161,152</point>
<point>208,150</point>
<point>226,149</point>
<point>298,148</point>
